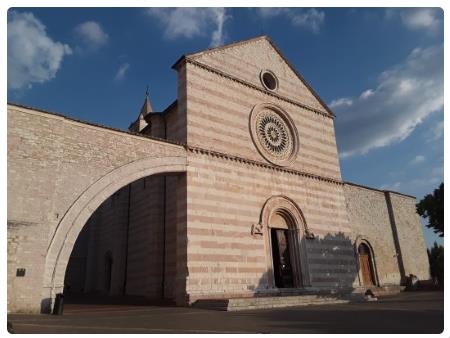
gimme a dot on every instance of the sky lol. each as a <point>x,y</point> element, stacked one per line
<point>379,69</point>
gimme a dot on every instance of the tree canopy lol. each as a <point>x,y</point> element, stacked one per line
<point>436,258</point>
<point>432,207</point>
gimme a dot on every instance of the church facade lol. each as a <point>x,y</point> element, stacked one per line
<point>260,208</point>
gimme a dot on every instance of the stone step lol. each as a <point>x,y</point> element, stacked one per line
<point>386,290</point>
<point>249,303</point>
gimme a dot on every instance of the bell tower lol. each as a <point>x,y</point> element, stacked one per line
<point>140,123</point>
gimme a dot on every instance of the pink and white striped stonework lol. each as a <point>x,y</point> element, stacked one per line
<point>234,190</point>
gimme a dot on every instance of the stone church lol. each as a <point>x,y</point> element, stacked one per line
<point>233,191</point>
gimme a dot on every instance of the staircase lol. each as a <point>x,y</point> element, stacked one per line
<point>294,297</point>
<point>250,303</point>
<point>381,291</point>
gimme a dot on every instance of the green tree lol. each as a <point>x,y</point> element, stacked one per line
<point>436,258</point>
<point>432,207</point>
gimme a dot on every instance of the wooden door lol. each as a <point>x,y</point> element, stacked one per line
<point>281,259</point>
<point>366,269</point>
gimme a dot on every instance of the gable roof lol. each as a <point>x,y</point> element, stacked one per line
<point>196,55</point>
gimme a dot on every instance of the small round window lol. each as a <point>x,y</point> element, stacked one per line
<point>269,80</point>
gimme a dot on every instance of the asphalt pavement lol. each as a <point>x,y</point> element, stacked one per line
<point>408,312</point>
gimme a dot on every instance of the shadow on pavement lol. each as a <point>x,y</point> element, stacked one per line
<point>395,315</point>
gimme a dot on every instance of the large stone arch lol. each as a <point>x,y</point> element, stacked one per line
<point>71,224</point>
<point>289,209</point>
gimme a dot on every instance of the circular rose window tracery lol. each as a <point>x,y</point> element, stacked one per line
<point>274,134</point>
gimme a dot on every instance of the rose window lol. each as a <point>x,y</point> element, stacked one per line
<point>274,134</point>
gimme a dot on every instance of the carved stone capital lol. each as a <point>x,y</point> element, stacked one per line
<point>257,229</point>
<point>309,234</point>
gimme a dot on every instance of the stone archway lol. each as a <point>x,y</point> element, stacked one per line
<point>362,242</point>
<point>84,206</point>
<point>281,206</point>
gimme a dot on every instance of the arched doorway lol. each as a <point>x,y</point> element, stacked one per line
<point>284,232</point>
<point>283,237</point>
<point>367,271</point>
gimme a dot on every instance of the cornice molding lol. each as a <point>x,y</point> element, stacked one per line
<point>235,158</point>
<point>380,190</point>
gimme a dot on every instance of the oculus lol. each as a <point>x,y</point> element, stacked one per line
<point>269,80</point>
<point>274,134</point>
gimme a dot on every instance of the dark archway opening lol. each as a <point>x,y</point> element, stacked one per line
<point>282,267</point>
<point>126,252</point>
<point>285,251</point>
<point>108,271</point>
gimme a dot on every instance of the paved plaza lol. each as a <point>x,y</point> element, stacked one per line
<point>408,312</point>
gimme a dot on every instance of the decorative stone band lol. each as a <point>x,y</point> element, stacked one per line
<point>251,85</point>
<point>190,148</point>
<point>213,153</point>
<point>257,230</point>
<point>274,134</point>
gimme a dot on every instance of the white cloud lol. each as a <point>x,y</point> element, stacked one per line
<point>33,57</point>
<point>425,19</point>
<point>421,18</point>
<point>121,72</point>
<point>417,160</point>
<point>436,176</point>
<point>217,38</point>
<point>342,102</point>
<point>436,132</point>
<point>406,94</point>
<point>192,22</point>
<point>92,34</point>
<point>267,12</point>
<point>311,19</point>
<point>366,94</point>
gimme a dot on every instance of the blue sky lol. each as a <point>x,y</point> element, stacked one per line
<point>380,70</point>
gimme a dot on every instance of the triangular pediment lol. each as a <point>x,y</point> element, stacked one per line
<point>246,60</point>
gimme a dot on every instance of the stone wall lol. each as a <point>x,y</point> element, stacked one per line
<point>60,171</point>
<point>218,111</point>
<point>411,243</point>
<point>389,223</point>
<point>130,226</point>
<point>146,238</point>
<point>225,198</point>
<point>53,162</point>
<point>173,208</point>
<point>369,219</point>
<point>246,60</point>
